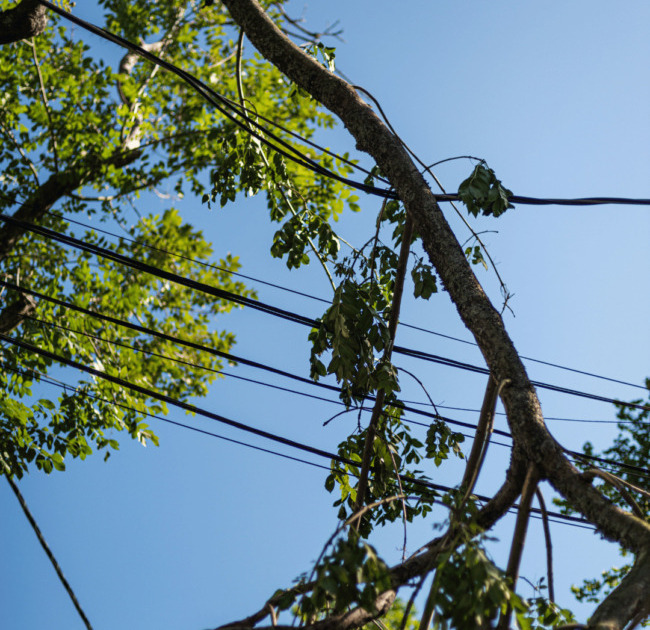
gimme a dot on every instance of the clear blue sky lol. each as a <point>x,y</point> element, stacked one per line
<point>199,531</point>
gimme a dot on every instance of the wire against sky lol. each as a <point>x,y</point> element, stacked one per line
<point>228,108</point>
<point>562,518</point>
<point>323,300</point>
<point>210,415</point>
<point>272,310</point>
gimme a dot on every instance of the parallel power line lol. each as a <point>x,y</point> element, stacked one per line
<point>269,309</point>
<point>222,419</point>
<point>435,416</point>
<point>324,301</point>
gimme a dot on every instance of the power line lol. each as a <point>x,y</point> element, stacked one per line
<point>566,519</point>
<point>397,404</point>
<point>322,300</point>
<point>230,357</point>
<point>292,391</point>
<point>208,414</point>
<point>224,104</point>
<point>273,310</point>
<point>244,361</point>
<point>44,545</point>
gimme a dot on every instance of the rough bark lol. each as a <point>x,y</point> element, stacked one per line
<point>13,314</point>
<point>48,193</point>
<point>28,19</point>
<point>445,253</point>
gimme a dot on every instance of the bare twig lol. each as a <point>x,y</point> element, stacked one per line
<point>46,103</point>
<point>504,289</point>
<point>621,485</point>
<point>32,167</point>
<point>285,197</point>
<point>549,544</point>
<point>46,548</point>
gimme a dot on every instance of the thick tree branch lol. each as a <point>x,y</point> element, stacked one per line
<point>46,195</point>
<point>477,312</point>
<point>13,314</point>
<point>628,601</point>
<point>28,19</point>
<point>475,309</point>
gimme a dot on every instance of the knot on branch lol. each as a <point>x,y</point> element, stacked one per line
<point>28,19</point>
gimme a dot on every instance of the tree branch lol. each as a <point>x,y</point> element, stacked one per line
<point>46,195</point>
<point>523,410</point>
<point>28,19</point>
<point>479,315</point>
<point>13,314</point>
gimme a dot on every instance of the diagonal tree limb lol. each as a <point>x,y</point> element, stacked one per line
<point>57,185</point>
<point>401,574</point>
<point>475,309</point>
<point>629,601</point>
<point>13,314</point>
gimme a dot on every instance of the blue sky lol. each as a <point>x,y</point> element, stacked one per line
<point>200,531</point>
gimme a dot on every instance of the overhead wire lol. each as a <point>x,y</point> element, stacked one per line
<point>323,300</point>
<point>235,358</point>
<point>568,519</point>
<point>226,106</point>
<point>194,82</point>
<point>402,406</point>
<point>273,310</point>
<point>221,354</point>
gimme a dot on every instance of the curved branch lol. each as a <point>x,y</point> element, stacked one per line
<point>530,435</point>
<point>28,19</point>
<point>628,601</point>
<point>475,309</point>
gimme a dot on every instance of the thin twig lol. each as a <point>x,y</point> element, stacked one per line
<point>421,384</point>
<point>549,544</point>
<point>46,103</point>
<point>285,197</point>
<point>41,539</point>
<point>504,288</point>
<point>401,491</point>
<point>392,328</point>
<point>620,485</point>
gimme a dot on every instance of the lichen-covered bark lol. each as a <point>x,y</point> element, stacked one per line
<point>479,315</point>
<point>28,19</point>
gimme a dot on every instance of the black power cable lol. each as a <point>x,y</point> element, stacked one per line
<point>269,309</point>
<point>568,519</point>
<point>636,470</point>
<point>322,300</point>
<point>224,105</point>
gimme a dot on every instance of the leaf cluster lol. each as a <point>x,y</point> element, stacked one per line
<point>483,193</point>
